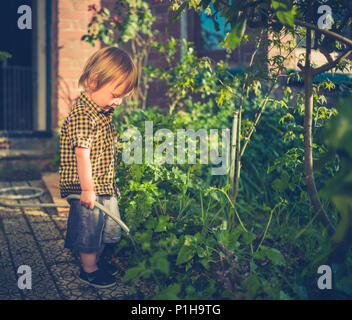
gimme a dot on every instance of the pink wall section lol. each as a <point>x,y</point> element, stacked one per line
<point>69,53</point>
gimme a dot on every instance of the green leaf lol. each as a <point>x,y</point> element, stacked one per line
<point>5,55</point>
<point>248,237</point>
<point>162,224</point>
<point>337,136</point>
<point>282,183</point>
<point>229,238</point>
<point>272,254</point>
<point>133,273</point>
<point>275,256</point>
<point>338,130</point>
<point>284,11</point>
<point>204,3</point>
<point>345,285</point>
<point>253,285</point>
<point>205,263</point>
<point>253,267</point>
<point>159,262</point>
<point>145,274</point>
<point>177,14</point>
<point>344,205</point>
<point>260,255</point>
<point>233,39</point>
<point>284,296</point>
<point>185,254</point>
<point>169,293</point>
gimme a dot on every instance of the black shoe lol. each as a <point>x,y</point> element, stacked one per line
<point>107,266</point>
<point>97,279</point>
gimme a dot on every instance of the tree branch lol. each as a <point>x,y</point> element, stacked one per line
<point>299,65</point>
<point>331,64</point>
<point>326,54</point>
<point>324,31</point>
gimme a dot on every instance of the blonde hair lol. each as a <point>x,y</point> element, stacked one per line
<point>110,64</point>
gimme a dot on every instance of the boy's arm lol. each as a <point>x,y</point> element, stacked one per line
<point>84,170</point>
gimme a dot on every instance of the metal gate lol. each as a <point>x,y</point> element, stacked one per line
<point>17,88</point>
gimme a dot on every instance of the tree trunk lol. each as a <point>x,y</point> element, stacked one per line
<point>308,151</point>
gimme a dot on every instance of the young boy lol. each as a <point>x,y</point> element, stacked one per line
<point>87,161</point>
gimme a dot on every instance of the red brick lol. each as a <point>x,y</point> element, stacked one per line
<point>77,64</point>
<point>65,4</point>
<point>70,74</point>
<point>65,64</point>
<point>64,43</point>
<point>74,35</point>
<point>71,53</point>
<point>66,84</point>
<point>82,5</point>
<point>80,25</point>
<point>65,25</point>
<point>72,14</point>
<point>85,45</point>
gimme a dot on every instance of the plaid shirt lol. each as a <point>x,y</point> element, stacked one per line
<point>88,126</point>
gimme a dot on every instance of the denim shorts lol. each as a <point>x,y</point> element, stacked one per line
<point>87,228</point>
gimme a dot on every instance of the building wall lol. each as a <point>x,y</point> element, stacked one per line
<point>158,89</point>
<point>69,53</point>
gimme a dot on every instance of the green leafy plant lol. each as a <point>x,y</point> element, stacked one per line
<point>189,238</point>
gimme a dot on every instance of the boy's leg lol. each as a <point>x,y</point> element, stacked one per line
<point>84,234</point>
<point>89,262</point>
<point>99,253</point>
<point>93,275</point>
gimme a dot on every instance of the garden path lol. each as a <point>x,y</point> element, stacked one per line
<point>35,237</point>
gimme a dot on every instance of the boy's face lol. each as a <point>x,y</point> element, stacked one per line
<point>108,96</point>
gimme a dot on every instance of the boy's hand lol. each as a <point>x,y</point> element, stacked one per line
<point>88,198</point>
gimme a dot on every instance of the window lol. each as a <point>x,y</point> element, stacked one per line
<point>206,38</point>
<point>210,37</point>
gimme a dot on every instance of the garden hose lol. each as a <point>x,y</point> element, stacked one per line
<point>39,192</point>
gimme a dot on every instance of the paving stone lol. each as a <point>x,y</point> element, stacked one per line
<point>8,281</point>
<point>46,197</point>
<point>45,231</point>
<point>117,292</point>
<point>6,212</point>
<point>14,226</point>
<point>35,216</point>
<point>24,249</point>
<point>71,288</point>
<point>10,290</point>
<point>25,252</point>
<point>9,213</point>
<point>54,251</point>
<point>42,289</point>
<point>51,181</point>
<point>61,222</point>
<point>35,237</point>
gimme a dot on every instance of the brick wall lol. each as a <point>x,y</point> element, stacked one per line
<point>158,89</point>
<point>69,53</point>
<point>70,20</point>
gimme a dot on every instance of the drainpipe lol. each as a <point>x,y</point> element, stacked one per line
<point>48,67</point>
<point>183,28</point>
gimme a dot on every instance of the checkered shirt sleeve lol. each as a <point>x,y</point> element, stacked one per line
<point>80,130</point>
